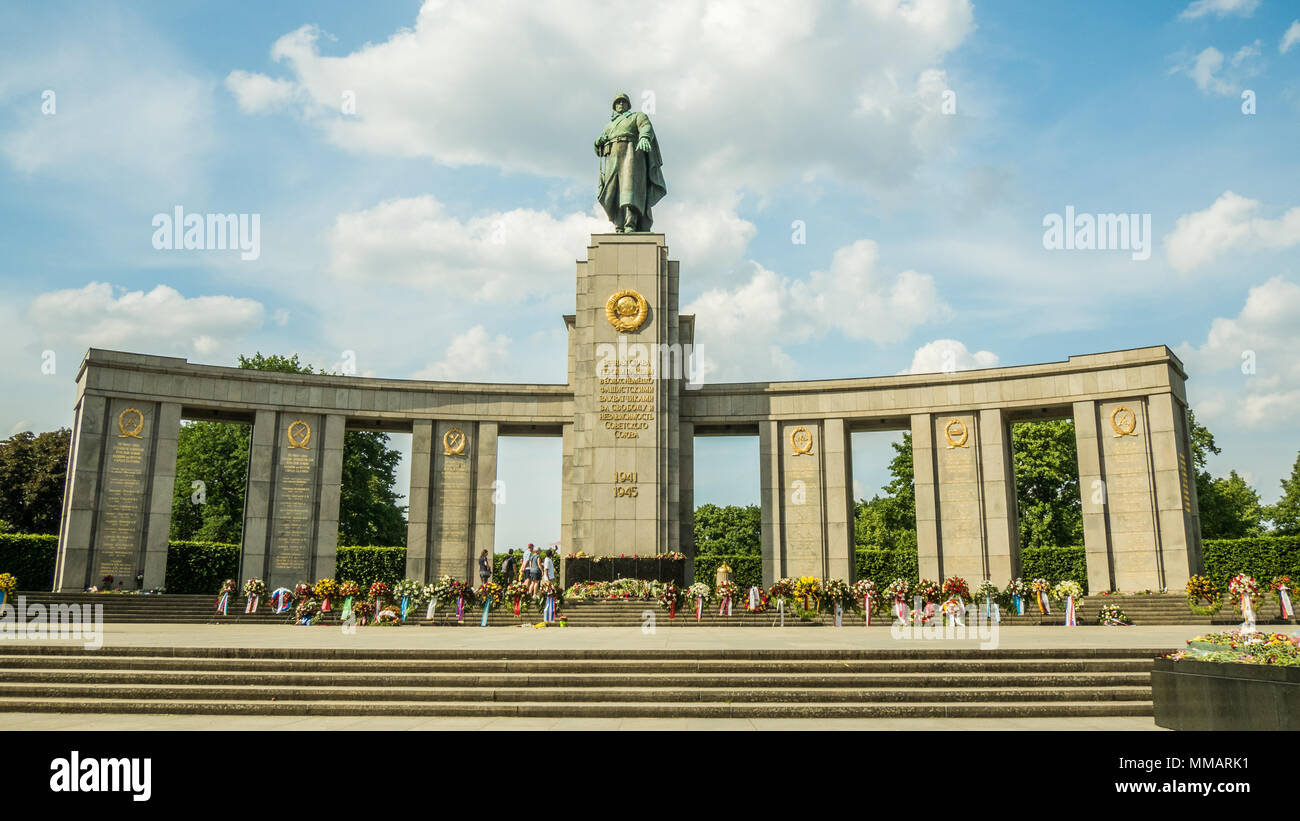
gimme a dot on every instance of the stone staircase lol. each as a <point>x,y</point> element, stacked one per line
<point>578,683</point>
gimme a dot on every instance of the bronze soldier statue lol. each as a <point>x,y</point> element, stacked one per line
<point>631,179</point>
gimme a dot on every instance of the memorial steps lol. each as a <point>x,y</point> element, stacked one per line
<point>1162,609</point>
<point>578,683</point>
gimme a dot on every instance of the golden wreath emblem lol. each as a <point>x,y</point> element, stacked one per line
<point>626,310</point>
<point>1123,421</point>
<point>453,442</point>
<point>133,430</point>
<point>956,434</point>
<point>801,441</point>
<point>299,434</point>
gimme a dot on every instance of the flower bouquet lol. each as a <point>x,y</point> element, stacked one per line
<point>228,587</point>
<point>782,589</point>
<point>896,593</point>
<point>1068,592</point>
<point>1041,589</point>
<point>838,593</point>
<point>756,600</point>
<point>954,611</point>
<point>808,594</point>
<point>1243,589</point>
<point>363,611</point>
<point>308,611</point>
<point>490,594</point>
<point>1281,586</point>
<point>254,590</point>
<point>408,593</point>
<point>8,584</point>
<point>669,599</point>
<point>378,593</point>
<point>956,586</point>
<point>928,590</point>
<point>1016,592</point>
<point>987,592</point>
<point>324,590</point>
<point>1111,614</point>
<point>515,593</point>
<point>865,597</point>
<point>1201,588</point>
<point>726,591</point>
<point>349,591</point>
<point>701,592</point>
<point>301,591</point>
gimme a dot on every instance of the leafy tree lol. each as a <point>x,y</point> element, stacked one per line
<point>1046,462</point>
<point>216,454</point>
<point>32,472</point>
<point>1229,508</point>
<point>889,521</point>
<point>1286,513</point>
<point>733,529</point>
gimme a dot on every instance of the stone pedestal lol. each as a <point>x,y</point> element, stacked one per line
<point>628,352</point>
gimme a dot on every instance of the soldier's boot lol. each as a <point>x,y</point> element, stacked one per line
<point>631,219</point>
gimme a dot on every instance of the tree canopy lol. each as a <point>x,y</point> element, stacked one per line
<point>33,468</point>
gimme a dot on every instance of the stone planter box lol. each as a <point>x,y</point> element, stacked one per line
<point>1198,695</point>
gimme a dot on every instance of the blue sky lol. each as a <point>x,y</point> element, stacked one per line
<point>921,144</point>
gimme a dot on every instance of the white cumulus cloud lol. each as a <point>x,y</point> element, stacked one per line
<point>474,356</point>
<point>1290,38</point>
<point>743,329</point>
<point>159,321</point>
<point>1219,8</point>
<point>1248,362</point>
<point>947,356</point>
<point>1230,224</point>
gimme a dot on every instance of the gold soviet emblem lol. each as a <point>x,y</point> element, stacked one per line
<point>299,434</point>
<point>1123,422</point>
<point>801,441</point>
<point>134,429</point>
<point>626,310</point>
<point>955,432</point>
<point>453,442</point>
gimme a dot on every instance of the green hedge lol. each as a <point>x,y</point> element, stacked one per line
<point>1056,564</point>
<point>367,565</point>
<point>883,566</point>
<point>746,570</point>
<point>30,558</point>
<point>1262,557</point>
<point>200,567</point>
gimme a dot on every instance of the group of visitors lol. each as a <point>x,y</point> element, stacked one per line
<point>530,567</point>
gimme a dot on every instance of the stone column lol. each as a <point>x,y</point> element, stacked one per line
<point>686,503</point>
<point>927,496</point>
<point>327,511</point>
<point>158,530</point>
<point>125,444</point>
<point>77,521</point>
<point>998,487</point>
<point>300,441</point>
<point>957,459</point>
<point>769,473</point>
<point>841,544</point>
<point>417,511</point>
<point>257,496</point>
<point>1092,490</point>
<point>1180,531</point>
<point>461,515</point>
<point>566,493</point>
<point>1128,471</point>
<point>802,450</point>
